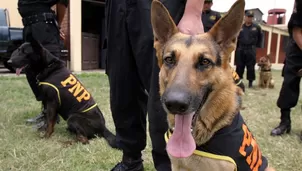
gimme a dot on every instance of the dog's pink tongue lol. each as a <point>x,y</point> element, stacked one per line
<point>182,144</point>
<point>18,71</point>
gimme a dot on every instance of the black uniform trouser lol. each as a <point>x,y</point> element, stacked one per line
<point>49,36</point>
<point>290,90</point>
<point>246,57</point>
<point>282,71</point>
<point>130,62</point>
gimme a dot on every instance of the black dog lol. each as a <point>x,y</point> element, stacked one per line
<point>63,94</point>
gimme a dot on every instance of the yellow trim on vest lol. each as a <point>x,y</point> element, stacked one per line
<point>58,93</point>
<point>206,154</point>
<point>93,106</point>
<point>53,86</point>
<point>239,82</point>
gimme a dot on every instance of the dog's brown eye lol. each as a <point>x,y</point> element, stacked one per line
<point>169,60</point>
<point>205,62</point>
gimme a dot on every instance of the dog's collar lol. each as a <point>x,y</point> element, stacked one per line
<point>266,70</point>
<point>38,77</point>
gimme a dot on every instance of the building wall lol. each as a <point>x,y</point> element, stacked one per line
<point>257,16</point>
<point>65,30</point>
<point>14,16</point>
<point>64,26</point>
<point>273,18</point>
<point>262,51</point>
<point>283,45</point>
<point>273,48</point>
<point>65,22</point>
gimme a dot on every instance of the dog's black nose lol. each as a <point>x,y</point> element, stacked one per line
<point>177,102</point>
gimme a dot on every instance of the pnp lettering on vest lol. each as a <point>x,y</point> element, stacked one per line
<point>77,89</point>
<point>254,159</point>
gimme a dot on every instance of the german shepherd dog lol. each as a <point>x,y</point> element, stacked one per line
<point>206,131</point>
<point>63,94</point>
<point>265,73</point>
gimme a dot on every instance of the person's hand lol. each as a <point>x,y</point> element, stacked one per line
<point>191,24</point>
<point>297,35</point>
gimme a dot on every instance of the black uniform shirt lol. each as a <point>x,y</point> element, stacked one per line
<point>295,21</point>
<point>28,7</point>
<point>250,35</point>
<point>43,2</point>
<point>296,18</point>
<point>237,142</point>
<point>69,91</point>
<point>209,18</point>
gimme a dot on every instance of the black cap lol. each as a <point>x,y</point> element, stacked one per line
<point>208,1</point>
<point>249,13</point>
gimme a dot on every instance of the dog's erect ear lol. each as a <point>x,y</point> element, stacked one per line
<point>163,27</point>
<point>226,30</point>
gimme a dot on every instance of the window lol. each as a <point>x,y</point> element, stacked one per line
<point>3,17</point>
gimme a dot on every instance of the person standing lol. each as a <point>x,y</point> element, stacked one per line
<point>289,93</point>
<point>133,76</point>
<point>250,37</point>
<point>42,24</point>
<point>209,17</point>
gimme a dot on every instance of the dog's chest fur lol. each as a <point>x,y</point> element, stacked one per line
<point>266,75</point>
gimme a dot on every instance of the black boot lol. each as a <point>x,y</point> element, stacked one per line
<point>40,117</point>
<point>129,164</point>
<point>250,84</point>
<point>285,124</point>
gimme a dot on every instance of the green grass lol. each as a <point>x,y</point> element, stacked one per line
<point>21,147</point>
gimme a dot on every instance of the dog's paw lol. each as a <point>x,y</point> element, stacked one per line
<point>272,84</point>
<point>82,139</point>
<point>47,135</point>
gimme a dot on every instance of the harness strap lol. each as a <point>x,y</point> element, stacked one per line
<point>238,82</point>
<point>265,70</point>
<point>91,107</point>
<point>59,97</point>
<point>53,86</point>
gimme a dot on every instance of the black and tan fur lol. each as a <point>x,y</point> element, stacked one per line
<point>199,66</point>
<point>265,73</point>
<point>85,125</point>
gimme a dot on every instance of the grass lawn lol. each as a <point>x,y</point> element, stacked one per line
<point>21,148</point>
